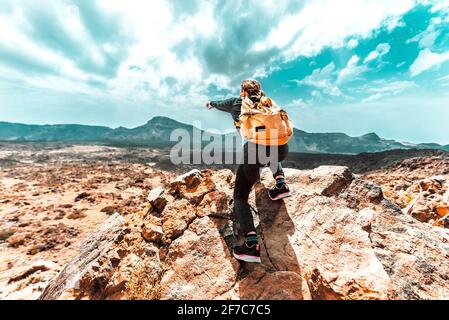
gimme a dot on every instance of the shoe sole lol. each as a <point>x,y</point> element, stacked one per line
<point>246,258</point>
<point>281,196</point>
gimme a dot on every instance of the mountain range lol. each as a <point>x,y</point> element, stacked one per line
<point>157,131</point>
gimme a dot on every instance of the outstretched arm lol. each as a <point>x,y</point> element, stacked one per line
<point>223,105</point>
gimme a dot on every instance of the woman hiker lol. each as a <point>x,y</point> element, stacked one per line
<point>248,171</point>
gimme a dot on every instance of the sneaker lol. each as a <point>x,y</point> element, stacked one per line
<point>279,192</point>
<point>248,253</point>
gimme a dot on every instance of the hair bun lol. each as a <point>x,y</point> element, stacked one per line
<point>253,87</point>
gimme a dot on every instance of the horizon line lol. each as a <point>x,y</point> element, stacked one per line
<point>223,132</point>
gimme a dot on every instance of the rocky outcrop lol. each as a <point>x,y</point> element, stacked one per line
<point>77,275</point>
<point>420,187</point>
<point>337,237</point>
<point>353,243</point>
<point>431,202</point>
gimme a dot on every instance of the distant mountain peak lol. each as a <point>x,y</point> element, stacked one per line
<point>371,136</point>
<point>158,130</point>
<point>162,120</point>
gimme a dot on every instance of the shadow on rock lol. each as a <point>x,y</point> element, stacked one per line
<point>278,277</point>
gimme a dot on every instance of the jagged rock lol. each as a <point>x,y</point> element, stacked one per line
<point>432,184</point>
<point>152,233</point>
<point>27,271</point>
<point>193,186</point>
<point>347,249</point>
<point>430,204</point>
<point>155,194</point>
<point>199,263</point>
<point>189,179</point>
<point>17,239</point>
<point>27,279</point>
<point>69,282</point>
<point>176,218</point>
<point>266,285</point>
<point>6,233</point>
<point>329,180</point>
<point>419,186</point>
<point>156,201</point>
<point>337,237</point>
<point>443,222</point>
<point>81,196</point>
<point>109,210</point>
<point>77,214</point>
<point>215,203</point>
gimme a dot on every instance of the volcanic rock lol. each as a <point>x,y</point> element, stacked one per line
<point>337,237</point>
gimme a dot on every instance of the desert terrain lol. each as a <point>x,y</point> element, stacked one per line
<point>54,195</point>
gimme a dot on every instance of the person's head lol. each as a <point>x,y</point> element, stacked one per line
<point>250,88</point>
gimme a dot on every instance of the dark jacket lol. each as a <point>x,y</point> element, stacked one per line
<point>232,106</point>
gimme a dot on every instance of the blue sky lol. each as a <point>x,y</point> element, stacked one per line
<point>353,66</point>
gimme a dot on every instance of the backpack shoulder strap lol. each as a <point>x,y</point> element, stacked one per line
<point>238,124</point>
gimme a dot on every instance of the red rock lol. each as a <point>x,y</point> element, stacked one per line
<point>82,196</point>
<point>152,233</point>
<point>109,210</point>
<point>337,237</point>
<point>6,233</point>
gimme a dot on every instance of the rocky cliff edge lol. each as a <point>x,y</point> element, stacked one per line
<point>337,237</point>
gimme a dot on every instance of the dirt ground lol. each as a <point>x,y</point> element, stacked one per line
<point>51,198</point>
<point>52,195</point>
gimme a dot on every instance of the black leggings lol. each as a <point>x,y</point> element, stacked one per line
<point>248,173</point>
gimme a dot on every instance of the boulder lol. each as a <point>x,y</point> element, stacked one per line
<point>74,281</point>
<point>263,284</point>
<point>354,244</point>
<point>176,218</point>
<point>152,233</point>
<point>156,201</point>
<point>109,210</point>
<point>199,263</point>
<point>6,233</point>
<point>193,186</point>
<point>337,237</point>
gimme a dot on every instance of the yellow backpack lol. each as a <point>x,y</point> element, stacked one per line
<point>264,123</point>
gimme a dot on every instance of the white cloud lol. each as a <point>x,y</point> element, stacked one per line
<point>352,70</point>
<point>153,31</point>
<point>297,103</point>
<point>443,81</point>
<point>165,76</point>
<point>322,79</point>
<point>383,89</point>
<point>329,23</point>
<point>394,22</point>
<point>381,50</point>
<point>15,41</point>
<point>69,18</point>
<point>353,43</point>
<point>437,5</point>
<point>427,38</point>
<point>427,60</point>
